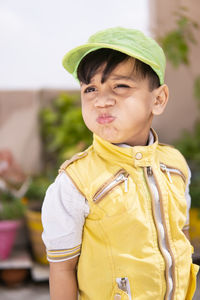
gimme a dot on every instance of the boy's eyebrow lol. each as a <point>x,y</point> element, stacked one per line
<point>119,77</point>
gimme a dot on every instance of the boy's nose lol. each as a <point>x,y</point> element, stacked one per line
<point>105,100</point>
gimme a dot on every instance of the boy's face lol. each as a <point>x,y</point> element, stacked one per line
<point>121,109</point>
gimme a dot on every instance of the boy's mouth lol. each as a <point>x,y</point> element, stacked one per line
<point>105,119</point>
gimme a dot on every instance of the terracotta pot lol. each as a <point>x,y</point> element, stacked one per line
<point>14,277</point>
<point>8,231</point>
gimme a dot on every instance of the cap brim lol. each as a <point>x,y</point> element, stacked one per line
<point>72,59</point>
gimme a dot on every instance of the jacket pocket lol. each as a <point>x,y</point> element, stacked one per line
<point>169,171</point>
<point>192,283</point>
<point>175,182</point>
<point>120,177</point>
<point>113,197</point>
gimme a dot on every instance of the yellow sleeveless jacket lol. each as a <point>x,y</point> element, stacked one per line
<point>120,256</point>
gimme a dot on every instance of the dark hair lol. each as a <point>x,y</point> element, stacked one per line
<point>91,62</point>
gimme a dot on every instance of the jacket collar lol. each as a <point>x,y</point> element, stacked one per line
<point>138,156</point>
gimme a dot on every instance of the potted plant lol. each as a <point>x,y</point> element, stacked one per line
<point>35,195</point>
<point>13,185</point>
<point>12,211</point>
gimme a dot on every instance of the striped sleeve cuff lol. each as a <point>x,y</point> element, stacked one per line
<point>62,255</point>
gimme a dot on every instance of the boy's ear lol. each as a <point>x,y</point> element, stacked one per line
<point>161,95</point>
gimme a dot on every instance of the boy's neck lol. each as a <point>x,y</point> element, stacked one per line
<point>149,141</point>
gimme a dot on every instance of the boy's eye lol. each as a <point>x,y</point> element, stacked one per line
<point>89,89</point>
<point>122,86</point>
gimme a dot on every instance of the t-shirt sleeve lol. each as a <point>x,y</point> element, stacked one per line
<point>63,216</point>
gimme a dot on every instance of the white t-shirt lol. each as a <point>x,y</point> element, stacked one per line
<point>63,216</point>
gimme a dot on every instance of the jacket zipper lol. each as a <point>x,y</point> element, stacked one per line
<point>124,285</point>
<point>149,172</point>
<point>170,170</point>
<point>120,177</point>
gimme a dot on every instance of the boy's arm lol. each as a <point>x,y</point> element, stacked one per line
<point>63,281</point>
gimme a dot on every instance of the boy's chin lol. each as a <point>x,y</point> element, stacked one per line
<point>112,140</point>
<point>111,136</point>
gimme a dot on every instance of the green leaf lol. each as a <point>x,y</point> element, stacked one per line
<point>176,43</point>
<point>176,48</point>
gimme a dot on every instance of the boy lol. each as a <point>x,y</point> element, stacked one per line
<point>121,204</point>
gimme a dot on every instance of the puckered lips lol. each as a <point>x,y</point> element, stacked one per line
<point>105,119</point>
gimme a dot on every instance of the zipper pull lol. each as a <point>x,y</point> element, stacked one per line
<point>169,176</point>
<point>149,171</point>
<point>164,168</point>
<point>123,285</point>
<point>122,177</point>
<point>125,184</point>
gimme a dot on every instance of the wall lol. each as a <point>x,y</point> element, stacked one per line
<point>19,125</point>
<point>181,111</point>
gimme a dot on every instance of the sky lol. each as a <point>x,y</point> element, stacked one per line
<point>35,35</point>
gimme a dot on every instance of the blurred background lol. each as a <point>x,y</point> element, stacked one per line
<point>40,116</point>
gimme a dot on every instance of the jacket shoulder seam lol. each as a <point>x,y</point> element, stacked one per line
<point>72,160</point>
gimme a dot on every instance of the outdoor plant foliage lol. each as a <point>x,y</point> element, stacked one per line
<point>63,130</point>
<point>38,187</point>
<point>11,208</point>
<point>176,43</point>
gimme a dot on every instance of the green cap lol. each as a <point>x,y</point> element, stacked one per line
<point>129,41</point>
